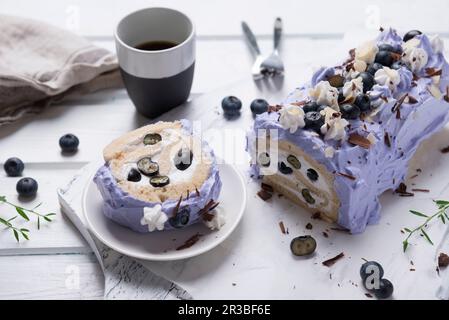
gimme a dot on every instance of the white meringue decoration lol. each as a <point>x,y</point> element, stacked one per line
<point>329,152</point>
<point>325,94</point>
<point>292,118</point>
<point>416,58</point>
<point>154,217</point>
<point>367,52</point>
<point>334,126</point>
<point>360,65</point>
<point>437,44</point>
<point>217,221</point>
<point>387,77</point>
<point>353,88</point>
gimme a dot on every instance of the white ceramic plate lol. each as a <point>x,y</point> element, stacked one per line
<point>161,246</point>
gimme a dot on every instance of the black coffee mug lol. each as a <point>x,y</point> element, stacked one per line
<point>156,52</point>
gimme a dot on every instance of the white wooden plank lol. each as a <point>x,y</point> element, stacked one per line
<point>75,276</point>
<point>222,17</point>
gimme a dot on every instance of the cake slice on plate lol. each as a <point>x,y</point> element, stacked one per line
<point>160,177</point>
<point>338,142</point>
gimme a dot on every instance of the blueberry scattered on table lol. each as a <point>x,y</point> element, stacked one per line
<point>368,268</point>
<point>363,102</point>
<point>311,106</point>
<point>181,219</point>
<point>27,187</point>
<point>259,106</point>
<point>411,34</point>
<point>350,112</point>
<point>231,105</point>
<point>385,289</point>
<point>373,68</point>
<point>303,246</point>
<point>14,167</point>
<point>69,143</point>
<point>314,120</point>
<point>134,175</point>
<point>385,58</point>
<point>368,81</point>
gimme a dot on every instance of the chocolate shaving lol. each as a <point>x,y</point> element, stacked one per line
<point>209,206</point>
<point>341,230</point>
<point>332,261</point>
<point>176,208</point>
<point>309,226</point>
<point>188,195</point>
<point>421,190</point>
<point>267,187</point>
<point>281,225</point>
<point>412,100</point>
<point>398,104</point>
<point>385,99</point>
<point>387,140</point>
<point>208,217</point>
<point>275,108</point>
<point>316,216</point>
<point>346,176</point>
<point>432,72</point>
<point>197,192</point>
<point>325,234</point>
<point>190,242</point>
<point>445,150</point>
<point>446,97</point>
<point>264,195</point>
<point>360,141</point>
<point>443,260</point>
<point>369,295</point>
<point>402,191</point>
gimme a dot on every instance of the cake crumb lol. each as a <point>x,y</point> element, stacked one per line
<point>264,195</point>
<point>443,260</point>
<point>332,261</point>
<point>282,226</point>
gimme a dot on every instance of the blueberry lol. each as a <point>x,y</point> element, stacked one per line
<point>411,34</point>
<point>307,196</point>
<point>152,138</point>
<point>148,167</point>
<point>385,58</point>
<point>350,112</point>
<point>363,102</point>
<point>312,174</point>
<point>311,106</point>
<point>159,181</point>
<point>259,106</point>
<point>295,163</point>
<point>183,159</point>
<point>313,120</point>
<point>14,167</point>
<point>369,268</point>
<point>385,289</point>
<point>27,187</point>
<point>303,246</point>
<point>373,68</point>
<point>264,159</point>
<point>368,81</point>
<point>284,169</point>
<point>390,48</point>
<point>69,143</point>
<point>231,105</point>
<point>181,219</point>
<point>134,175</point>
<point>398,65</point>
<point>341,96</point>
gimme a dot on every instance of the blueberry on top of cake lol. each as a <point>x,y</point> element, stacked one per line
<point>160,177</point>
<point>338,142</point>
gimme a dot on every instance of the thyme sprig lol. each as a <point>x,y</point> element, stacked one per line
<point>25,215</point>
<point>441,215</point>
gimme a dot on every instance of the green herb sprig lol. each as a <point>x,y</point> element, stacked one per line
<point>25,215</point>
<point>441,215</point>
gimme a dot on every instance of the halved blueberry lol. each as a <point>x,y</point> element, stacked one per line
<point>294,162</point>
<point>134,175</point>
<point>181,219</point>
<point>385,58</point>
<point>27,187</point>
<point>183,158</point>
<point>350,112</point>
<point>411,34</point>
<point>259,106</point>
<point>159,181</point>
<point>284,169</point>
<point>363,102</point>
<point>13,167</point>
<point>368,81</point>
<point>303,246</point>
<point>264,159</point>
<point>152,138</point>
<point>307,196</point>
<point>312,174</point>
<point>148,167</point>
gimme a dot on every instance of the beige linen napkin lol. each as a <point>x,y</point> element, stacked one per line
<point>41,64</point>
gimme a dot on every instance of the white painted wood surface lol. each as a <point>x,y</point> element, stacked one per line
<point>57,252</point>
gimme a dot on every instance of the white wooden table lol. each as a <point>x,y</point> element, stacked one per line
<point>56,263</point>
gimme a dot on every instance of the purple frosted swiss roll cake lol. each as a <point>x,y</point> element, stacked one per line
<point>160,177</point>
<point>338,142</point>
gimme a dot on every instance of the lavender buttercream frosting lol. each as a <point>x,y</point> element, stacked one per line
<point>384,165</point>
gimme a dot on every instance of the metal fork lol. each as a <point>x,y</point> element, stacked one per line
<point>273,64</point>
<point>252,42</point>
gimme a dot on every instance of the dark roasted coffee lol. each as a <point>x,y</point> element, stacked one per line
<point>156,45</point>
